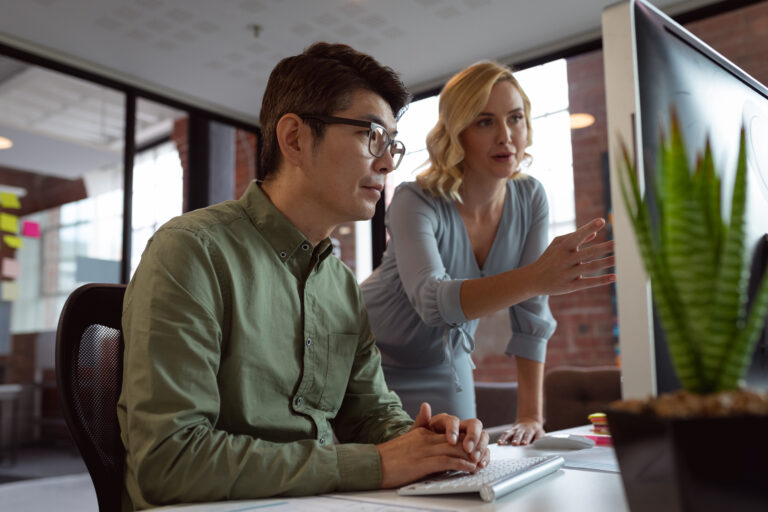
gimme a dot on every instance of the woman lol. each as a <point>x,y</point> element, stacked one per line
<point>467,239</point>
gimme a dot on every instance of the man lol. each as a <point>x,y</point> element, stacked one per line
<point>247,344</point>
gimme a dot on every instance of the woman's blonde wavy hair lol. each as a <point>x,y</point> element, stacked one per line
<point>461,100</point>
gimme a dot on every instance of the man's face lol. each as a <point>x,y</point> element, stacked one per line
<point>349,179</point>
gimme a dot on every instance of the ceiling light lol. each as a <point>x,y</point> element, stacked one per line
<point>581,121</point>
<point>5,143</point>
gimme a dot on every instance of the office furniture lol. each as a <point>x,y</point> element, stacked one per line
<point>571,394</point>
<point>9,422</point>
<point>89,368</point>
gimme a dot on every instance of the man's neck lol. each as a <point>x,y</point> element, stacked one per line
<point>293,203</point>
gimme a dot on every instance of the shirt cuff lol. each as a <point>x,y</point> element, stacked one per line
<point>449,301</point>
<point>527,346</point>
<point>359,467</point>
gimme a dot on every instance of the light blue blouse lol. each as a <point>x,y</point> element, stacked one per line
<point>413,297</point>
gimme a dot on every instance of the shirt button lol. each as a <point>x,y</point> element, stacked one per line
<point>283,254</point>
<point>298,401</point>
<point>305,247</point>
<point>321,440</point>
<point>309,341</point>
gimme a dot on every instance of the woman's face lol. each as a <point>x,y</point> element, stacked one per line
<point>494,143</point>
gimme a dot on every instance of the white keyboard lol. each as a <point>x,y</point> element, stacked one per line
<point>497,479</point>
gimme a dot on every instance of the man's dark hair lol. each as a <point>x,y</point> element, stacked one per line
<point>322,81</point>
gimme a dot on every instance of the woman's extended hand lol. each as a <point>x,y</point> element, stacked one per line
<point>565,264</point>
<point>523,432</point>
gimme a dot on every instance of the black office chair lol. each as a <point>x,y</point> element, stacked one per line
<point>89,375</point>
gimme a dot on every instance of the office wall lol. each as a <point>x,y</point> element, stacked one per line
<point>585,333</point>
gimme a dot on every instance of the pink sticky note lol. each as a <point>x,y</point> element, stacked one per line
<point>11,268</point>
<point>30,229</point>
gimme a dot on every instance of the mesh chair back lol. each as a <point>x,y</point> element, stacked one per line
<point>89,374</point>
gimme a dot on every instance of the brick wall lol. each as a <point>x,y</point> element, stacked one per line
<point>245,160</point>
<point>180,138</point>
<point>245,156</point>
<point>585,332</point>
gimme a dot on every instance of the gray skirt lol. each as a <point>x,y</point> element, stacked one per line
<point>435,385</point>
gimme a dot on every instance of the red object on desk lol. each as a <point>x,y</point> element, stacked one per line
<point>600,439</point>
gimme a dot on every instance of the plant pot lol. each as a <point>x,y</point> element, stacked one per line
<point>692,464</point>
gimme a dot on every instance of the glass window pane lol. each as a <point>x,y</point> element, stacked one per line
<point>158,175</point>
<point>61,215</point>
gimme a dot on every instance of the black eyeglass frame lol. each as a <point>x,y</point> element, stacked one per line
<point>391,144</point>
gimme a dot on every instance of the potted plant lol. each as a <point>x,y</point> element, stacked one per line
<point>704,447</point>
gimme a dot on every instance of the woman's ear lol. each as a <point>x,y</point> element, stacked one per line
<point>290,138</point>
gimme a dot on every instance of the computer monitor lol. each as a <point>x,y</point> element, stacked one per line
<point>652,63</point>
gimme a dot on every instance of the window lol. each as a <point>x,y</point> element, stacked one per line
<point>158,194</point>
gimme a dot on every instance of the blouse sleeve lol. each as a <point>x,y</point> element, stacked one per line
<point>413,223</point>
<point>531,320</point>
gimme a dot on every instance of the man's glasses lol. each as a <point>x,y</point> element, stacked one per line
<point>378,137</point>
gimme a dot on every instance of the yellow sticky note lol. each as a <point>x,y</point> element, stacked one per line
<point>9,223</point>
<point>10,291</point>
<point>9,200</point>
<point>14,242</point>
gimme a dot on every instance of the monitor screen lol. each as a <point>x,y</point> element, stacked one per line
<point>653,64</point>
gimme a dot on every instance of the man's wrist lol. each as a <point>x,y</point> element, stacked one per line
<point>359,467</point>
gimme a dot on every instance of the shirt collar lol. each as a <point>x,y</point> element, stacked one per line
<point>285,238</point>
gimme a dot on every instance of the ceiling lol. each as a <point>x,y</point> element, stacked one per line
<point>218,54</point>
<point>80,124</point>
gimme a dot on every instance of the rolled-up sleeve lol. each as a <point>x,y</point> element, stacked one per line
<point>413,224</point>
<point>531,321</point>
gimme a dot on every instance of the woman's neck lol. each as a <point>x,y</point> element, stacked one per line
<point>482,198</point>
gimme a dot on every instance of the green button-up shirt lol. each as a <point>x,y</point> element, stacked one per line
<point>245,349</point>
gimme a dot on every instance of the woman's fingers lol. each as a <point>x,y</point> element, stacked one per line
<point>582,283</point>
<point>585,233</point>
<point>522,433</point>
<point>565,266</point>
<point>597,265</point>
<point>508,436</point>
<point>596,251</point>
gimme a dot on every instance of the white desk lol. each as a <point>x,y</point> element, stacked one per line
<point>568,490</point>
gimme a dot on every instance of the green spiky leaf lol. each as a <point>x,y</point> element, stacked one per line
<point>696,264</point>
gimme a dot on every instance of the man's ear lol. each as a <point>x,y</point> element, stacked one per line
<point>292,138</point>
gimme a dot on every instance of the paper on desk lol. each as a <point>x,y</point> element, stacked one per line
<point>597,458</point>
<point>309,504</point>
